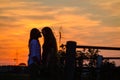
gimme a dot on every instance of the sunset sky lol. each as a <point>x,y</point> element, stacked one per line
<point>88,22</point>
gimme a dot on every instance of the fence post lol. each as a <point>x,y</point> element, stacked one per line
<point>70,60</point>
<point>98,66</point>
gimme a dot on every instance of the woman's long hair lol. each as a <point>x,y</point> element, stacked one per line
<point>49,37</point>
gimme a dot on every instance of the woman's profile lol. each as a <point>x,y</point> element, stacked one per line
<point>34,59</point>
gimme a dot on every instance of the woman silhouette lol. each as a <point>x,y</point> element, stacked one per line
<point>49,57</point>
<point>34,59</point>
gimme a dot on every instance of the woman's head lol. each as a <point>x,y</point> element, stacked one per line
<point>35,33</point>
<point>47,32</point>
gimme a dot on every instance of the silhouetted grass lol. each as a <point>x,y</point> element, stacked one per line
<point>14,76</point>
<point>107,73</point>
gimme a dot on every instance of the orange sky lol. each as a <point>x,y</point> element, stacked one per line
<point>88,22</point>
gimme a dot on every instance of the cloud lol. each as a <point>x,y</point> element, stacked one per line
<point>99,36</point>
<point>111,6</point>
<point>7,19</point>
<point>44,17</point>
<point>111,21</point>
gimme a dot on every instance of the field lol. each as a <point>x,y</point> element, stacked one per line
<point>108,72</point>
<point>13,76</point>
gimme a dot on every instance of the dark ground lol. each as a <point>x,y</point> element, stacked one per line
<point>107,73</point>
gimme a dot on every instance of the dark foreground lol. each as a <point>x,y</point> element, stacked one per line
<point>106,73</point>
<point>14,76</point>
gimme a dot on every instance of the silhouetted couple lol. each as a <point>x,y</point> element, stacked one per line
<point>48,58</point>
